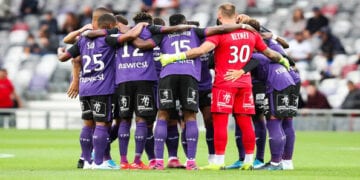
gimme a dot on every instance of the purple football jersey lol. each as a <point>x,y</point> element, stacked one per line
<point>133,64</point>
<point>295,75</point>
<point>181,42</point>
<point>205,81</point>
<point>272,44</point>
<point>158,67</point>
<point>98,72</point>
<point>273,74</point>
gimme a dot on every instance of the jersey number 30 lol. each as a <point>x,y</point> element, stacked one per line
<point>97,61</point>
<point>241,56</point>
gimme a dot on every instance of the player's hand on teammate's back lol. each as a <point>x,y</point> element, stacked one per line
<point>285,62</point>
<point>233,74</point>
<point>73,90</point>
<point>166,59</point>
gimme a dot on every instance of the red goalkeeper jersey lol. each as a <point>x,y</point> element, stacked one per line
<point>233,50</point>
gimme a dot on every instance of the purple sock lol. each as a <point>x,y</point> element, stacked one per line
<point>124,136</point>
<point>160,135</point>
<point>172,140</point>
<point>192,136</point>
<point>260,133</point>
<point>86,142</point>
<point>276,139</point>
<point>239,143</point>
<point>107,154</point>
<point>140,140</point>
<point>289,131</point>
<point>209,134</point>
<point>100,139</point>
<point>149,145</point>
<point>183,140</point>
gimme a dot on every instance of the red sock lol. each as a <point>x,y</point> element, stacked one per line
<point>248,134</point>
<point>220,123</point>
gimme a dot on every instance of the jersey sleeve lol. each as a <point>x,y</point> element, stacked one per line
<point>112,31</point>
<point>157,39</point>
<point>112,40</point>
<point>259,43</point>
<point>200,32</point>
<point>154,29</point>
<point>74,50</point>
<point>215,39</point>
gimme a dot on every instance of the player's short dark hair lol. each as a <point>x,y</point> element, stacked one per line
<point>121,19</point>
<point>253,23</point>
<point>106,20</point>
<point>218,22</point>
<point>177,19</point>
<point>100,11</point>
<point>196,23</point>
<point>227,10</point>
<point>159,21</point>
<point>143,17</point>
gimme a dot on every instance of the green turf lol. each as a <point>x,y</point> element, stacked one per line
<point>45,154</point>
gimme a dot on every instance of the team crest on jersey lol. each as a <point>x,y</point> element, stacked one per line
<point>165,96</point>
<point>99,109</point>
<point>192,96</point>
<point>225,99</point>
<point>248,100</point>
<point>90,45</point>
<point>144,102</point>
<point>124,102</point>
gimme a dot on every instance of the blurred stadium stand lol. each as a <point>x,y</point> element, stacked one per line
<point>42,81</point>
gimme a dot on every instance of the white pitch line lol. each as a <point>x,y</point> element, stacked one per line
<point>7,155</point>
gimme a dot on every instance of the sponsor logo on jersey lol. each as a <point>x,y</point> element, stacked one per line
<point>99,77</point>
<point>224,99</point>
<point>133,65</point>
<point>99,109</point>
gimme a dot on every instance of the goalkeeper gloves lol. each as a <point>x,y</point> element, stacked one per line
<point>283,61</point>
<point>166,59</point>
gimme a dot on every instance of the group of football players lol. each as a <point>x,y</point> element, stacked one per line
<point>161,74</point>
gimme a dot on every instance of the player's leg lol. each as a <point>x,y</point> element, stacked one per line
<point>149,144</point>
<point>274,127</point>
<point>144,109</point>
<point>259,123</point>
<point>101,109</point>
<point>189,98</point>
<point>86,132</point>
<point>221,107</point>
<point>243,109</point>
<point>205,108</point>
<point>289,130</point>
<point>125,114</point>
<point>166,99</point>
<point>241,153</point>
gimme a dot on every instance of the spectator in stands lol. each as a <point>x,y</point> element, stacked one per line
<point>315,99</point>
<point>315,23</point>
<point>86,16</point>
<point>330,44</point>
<point>50,22</point>
<point>146,5</point>
<point>29,7</point>
<point>31,46</point>
<point>352,100</point>
<point>48,42</point>
<point>71,23</point>
<point>300,48</point>
<point>296,24</point>
<point>163,7</point>
<point>8,97</point>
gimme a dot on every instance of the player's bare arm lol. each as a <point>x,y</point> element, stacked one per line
<point>132,33</point>
<point>73,90</point>
<point>277,57</point>
<point>234,74</point>
<point>62,54</point>
<point>72,36</point>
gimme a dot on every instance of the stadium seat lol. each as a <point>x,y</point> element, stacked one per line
<point>340,60</point>
<point>329,86</point>
<point>354,76</point>
<point>18,37</point>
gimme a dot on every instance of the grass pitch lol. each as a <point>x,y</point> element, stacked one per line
<point>53,154</point>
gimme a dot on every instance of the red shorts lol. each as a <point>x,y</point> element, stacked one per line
<point>232,100</point>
